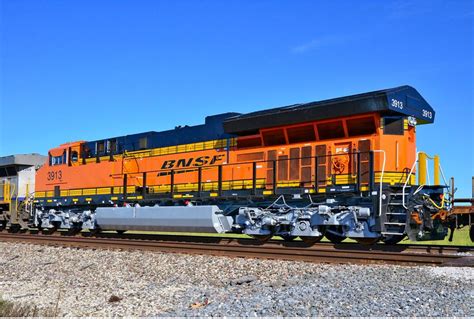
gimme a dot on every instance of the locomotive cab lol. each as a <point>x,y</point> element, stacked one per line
<point>66,154</point>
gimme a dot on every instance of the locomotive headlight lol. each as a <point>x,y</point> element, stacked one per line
<point>411,121</point>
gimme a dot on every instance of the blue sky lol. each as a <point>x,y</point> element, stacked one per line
<point>84,70</point>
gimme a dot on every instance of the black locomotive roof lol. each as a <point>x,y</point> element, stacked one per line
<point>211,130</point>
<point>402,100</point>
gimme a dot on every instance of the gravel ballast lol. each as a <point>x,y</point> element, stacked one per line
<point>85,282</point>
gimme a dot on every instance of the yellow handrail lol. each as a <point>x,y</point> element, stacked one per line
<point>423,168</point>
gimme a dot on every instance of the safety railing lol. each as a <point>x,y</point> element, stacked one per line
<point>422,159</point>
<point>314,172</point>
<point>8,191</point>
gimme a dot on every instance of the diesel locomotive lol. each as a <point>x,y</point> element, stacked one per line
<point>340,168</point>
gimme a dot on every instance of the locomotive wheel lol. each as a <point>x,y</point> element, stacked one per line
<point>2,226</point>
<point>263,238</point>
<point>73,231</point>
<point>14,229</point>
<point>288,237</point>
<point>392,239</point>
<point>94,231</point>
<point>311,240</point>
<point>49,231</point>
<point>367,241</point>
<point>334,238</point>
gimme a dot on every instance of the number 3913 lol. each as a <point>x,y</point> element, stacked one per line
<point>55,175</point>
<point>398,104</point>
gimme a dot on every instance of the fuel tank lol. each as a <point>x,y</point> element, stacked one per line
<point>201,219</point>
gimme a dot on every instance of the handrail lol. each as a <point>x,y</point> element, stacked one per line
<point>428,168</point>
<point>12,192</point>
<point>421,180</point>
<point>442,174</point>
<point>131,173</point>
<point>381,179</point>
<point>408,178</point>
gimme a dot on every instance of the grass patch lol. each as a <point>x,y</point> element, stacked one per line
<point>11,309</point>
<point>21,309</point>
<point>460,238</point>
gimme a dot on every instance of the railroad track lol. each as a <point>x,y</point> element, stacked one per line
<point>274,249</point>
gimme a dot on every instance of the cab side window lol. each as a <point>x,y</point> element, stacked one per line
<point>112,146</point>
<point>57,160</point>
<point>100,148</point>
<point>74,156</point>
<point>143,143</point>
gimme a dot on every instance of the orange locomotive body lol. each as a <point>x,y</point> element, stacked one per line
<point>293,148</point>
<point>363,145</point>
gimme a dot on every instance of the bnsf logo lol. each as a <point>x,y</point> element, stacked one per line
<point>198,161</point>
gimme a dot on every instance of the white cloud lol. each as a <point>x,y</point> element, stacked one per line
<point>318,43</point>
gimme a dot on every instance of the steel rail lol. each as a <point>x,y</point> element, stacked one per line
<point>247,248</point>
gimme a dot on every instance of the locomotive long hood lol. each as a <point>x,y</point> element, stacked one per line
<point>403,100</point>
